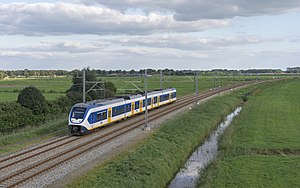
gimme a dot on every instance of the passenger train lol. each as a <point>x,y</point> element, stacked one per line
<point>85,117</point>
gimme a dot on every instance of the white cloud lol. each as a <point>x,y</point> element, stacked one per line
<point>65,18</point>
<point>191,43</point>
<point>69,46</point>
<point>206,9</point>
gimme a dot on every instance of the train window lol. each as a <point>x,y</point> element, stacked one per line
<point>90,119</point>
<point>122,110</point>
<point>114,111</point>
<point>155,100</point>
<point>128,107</point>
<point>104,115</point>
<point>137,105</point>
<point>164,97</point>
<point>78,113</point>
<point>174,95</point>
<point>149,101</point>
<point>98,116</point>
<point>118,110</point>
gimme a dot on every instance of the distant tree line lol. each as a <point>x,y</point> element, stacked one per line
<point>105,73</point>
<point>293,70</point>
<point>36,73</point>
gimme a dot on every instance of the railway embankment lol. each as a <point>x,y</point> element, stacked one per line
<point>155,161</point>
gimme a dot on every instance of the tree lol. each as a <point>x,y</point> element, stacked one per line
<point>75,91</point>
<point>32,98</point>
<point>2,75</point>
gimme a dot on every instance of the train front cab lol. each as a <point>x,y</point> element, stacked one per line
<point>76,118</point>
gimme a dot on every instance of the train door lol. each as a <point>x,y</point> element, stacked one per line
<point>152,101</point>
<point>132,108</point>
<point>170,97</point>
<point>109,115</point>
<point>158,100</point>
<point>141,105</point>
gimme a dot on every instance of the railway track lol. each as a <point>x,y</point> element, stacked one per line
<point>37,160</point>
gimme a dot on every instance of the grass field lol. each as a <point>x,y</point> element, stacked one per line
<point>184,84</point>
<point>255,171</point>
<point>53,88</point>
<point>262,146</point>
<point>154,162</point>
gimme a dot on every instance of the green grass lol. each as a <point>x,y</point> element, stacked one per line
<point>269,120</point>
<point>154,162</point>
<point>262,146</point>
<point>52,88</point>
<point>30,135</point>
<point>59,84</point>
<point>184,84</point>
<point>9,97</point>
<point>255,171</point>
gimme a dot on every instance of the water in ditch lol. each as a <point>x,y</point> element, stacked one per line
<point>189,174</point>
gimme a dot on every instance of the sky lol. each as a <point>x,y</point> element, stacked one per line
<point>157,34</point>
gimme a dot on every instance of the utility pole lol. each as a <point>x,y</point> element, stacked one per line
<point>233,80</point>
<point>196,82</point>
<point>256,76</point>
<point>161,78</point>
<point>146,127</point>
<point>83,85</point>
<point>103,84</point>
<point>214,80</point>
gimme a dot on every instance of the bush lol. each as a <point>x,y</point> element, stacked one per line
<point>14,116</point>
<point>65,104</point>
<point>59,106</point>
<point>32,98</point>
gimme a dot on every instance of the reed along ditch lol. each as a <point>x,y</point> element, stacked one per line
<point>155,161</point>
<point>204,154</point>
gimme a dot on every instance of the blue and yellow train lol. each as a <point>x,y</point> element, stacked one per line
<point>85,117</point>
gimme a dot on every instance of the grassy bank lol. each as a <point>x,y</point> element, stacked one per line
<point>254,171</point>
<point>262,146</point>
<point>31,135</point>
<point>155,161</point>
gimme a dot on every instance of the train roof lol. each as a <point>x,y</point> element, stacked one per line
<point>97,103</point>
<point>104,102</point>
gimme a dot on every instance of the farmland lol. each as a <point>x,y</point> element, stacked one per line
<point>53,88</point>
<point>262,146</point>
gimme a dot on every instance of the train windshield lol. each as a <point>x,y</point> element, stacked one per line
<point>78,113</point>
